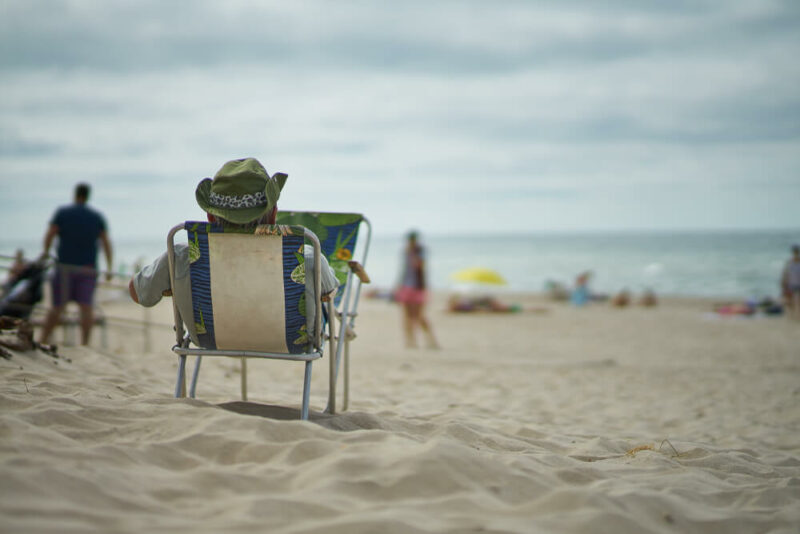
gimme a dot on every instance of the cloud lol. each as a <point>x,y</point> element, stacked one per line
<point>14,145</point>
<point>447,37</point>
<point>427,112</point>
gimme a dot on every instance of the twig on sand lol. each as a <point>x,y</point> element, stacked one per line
<point>677,454</point>
<point>650,447</point>
<point>25,381</point>
<point>633,451</point>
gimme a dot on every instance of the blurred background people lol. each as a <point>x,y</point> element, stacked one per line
<point>621,299</point>
<point>790,283</point>
<point>413,294</point>
<point>580,295</point>
<point>78,228</point>
<point>649,298</point>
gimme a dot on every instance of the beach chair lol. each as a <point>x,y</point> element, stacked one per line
<point>248,298</point>
<point>338,235</point>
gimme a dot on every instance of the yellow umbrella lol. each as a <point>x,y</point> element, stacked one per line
<point>479,275</point>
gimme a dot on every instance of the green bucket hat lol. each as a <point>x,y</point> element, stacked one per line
<point>241,191</point>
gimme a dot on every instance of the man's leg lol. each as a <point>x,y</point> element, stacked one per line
<point>87,320</point>
<point>50,322</point>
<point>84,296</point>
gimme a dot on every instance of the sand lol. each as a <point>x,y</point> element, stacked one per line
<point>521,423</point>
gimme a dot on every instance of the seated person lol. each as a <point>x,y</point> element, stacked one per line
<point>241,195</point>
<point>581,295</point>
<point>621,299</point>
<point>460,303</point>
<point>648,299</point>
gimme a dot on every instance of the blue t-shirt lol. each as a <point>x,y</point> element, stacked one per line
<point>79,227</point>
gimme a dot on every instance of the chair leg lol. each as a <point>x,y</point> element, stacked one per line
<point>306,391</point>
<point>244,379</point>
<point>331,408</point>
<point>180,386</point>
<point>346,401</point>
<point>195,376</point>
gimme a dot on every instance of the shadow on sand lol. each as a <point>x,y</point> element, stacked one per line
<point>282,413</point>
<point>348,421</point>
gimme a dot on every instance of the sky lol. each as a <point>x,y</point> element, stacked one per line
<point>445,116</point>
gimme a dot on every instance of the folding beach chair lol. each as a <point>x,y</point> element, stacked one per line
<point>338,235</point>
<point>248,298</point>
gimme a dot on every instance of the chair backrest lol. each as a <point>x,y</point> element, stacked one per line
<point>338,235</point>
<point>248,287</point>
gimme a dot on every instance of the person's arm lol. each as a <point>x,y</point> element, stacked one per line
<point>132,291</point>
<point>52,232</point>
<point>149,285</point>
<point>419,265</point>
<point>109,253</point>
<point>328,282</point>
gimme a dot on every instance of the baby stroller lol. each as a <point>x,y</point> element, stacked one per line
<point>19,295</point>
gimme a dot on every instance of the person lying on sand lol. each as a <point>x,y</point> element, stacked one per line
<point>464,304</point>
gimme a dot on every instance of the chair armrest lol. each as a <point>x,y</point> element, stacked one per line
<point>359,271</point>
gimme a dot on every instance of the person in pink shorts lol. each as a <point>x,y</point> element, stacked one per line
<point>413,294</point>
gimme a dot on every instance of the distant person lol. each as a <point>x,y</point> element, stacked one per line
<point>22,289</point>
<point>790,283</point>
<point>18,265</point>
<point>556,290</point>
<point>468,303</point>
<point>621,299</point>
<point>78,228</point>
<point>648,299</point>
<point>241,195</point>
<point>580,295</point>
<point>413,294</point>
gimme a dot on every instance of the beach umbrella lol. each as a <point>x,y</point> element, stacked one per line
<point>479,275</point>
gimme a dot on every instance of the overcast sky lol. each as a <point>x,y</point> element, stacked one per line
<point>446,116</point>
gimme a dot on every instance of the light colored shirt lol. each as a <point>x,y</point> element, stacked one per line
<point>153,280</point>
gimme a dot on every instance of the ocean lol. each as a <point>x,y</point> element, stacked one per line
<point>728,264</point>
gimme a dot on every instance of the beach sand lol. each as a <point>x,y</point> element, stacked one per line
<point>521,423</point>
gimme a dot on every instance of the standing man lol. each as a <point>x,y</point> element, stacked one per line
<point>78,228</point>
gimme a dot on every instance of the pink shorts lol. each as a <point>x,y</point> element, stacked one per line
<point>410,295</point>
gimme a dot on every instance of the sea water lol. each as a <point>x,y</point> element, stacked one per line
<point>710,264</point>
<point>740,264</point>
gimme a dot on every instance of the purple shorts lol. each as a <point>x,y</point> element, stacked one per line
<point>74,283</point>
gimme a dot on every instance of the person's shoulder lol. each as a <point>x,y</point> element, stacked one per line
<point>93,210</point>
<point>94,214</point>
<point>61,212</point>
<point>65,208</point>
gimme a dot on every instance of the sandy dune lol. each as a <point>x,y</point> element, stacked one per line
<point>522,423</point>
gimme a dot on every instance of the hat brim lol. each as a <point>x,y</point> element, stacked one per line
<point>236,216</point>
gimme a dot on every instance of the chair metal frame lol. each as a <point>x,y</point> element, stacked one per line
<point>347,317</point>
<point>347,313</point>
<point>182,347</point>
